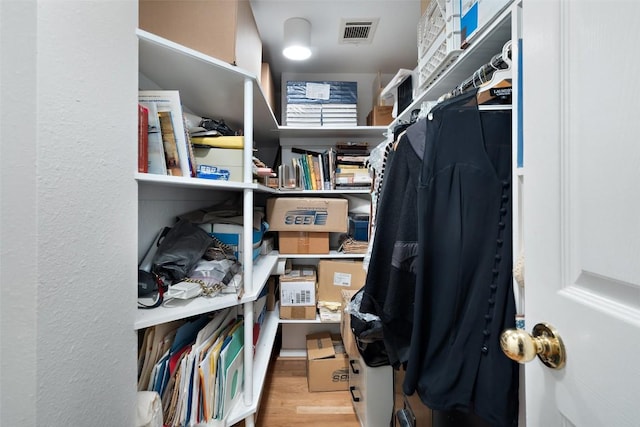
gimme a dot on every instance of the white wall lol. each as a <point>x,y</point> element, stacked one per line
<point>68,212</point>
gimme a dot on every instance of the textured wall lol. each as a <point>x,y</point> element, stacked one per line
<point>69,212</point>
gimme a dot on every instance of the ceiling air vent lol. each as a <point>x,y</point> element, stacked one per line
<point>357,30</point>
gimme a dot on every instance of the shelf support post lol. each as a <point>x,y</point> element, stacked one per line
<point>247,241</point>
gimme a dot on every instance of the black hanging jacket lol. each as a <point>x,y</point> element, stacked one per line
<point>464,295</point>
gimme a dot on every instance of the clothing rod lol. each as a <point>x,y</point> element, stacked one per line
<point>494,107</point>
<point>499,61</point>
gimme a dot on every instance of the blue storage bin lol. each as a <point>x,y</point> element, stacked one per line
<point>231,234</point>
<point>359,228</point>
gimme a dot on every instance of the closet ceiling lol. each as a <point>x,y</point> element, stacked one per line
<point>393,46</point>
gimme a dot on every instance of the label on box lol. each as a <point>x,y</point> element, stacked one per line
<point>317,91</point>
<point>297,293</point>
<point>304,272</point>
<point>341,279</point>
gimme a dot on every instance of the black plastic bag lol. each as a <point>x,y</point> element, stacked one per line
<point>368,335</point>
<point>179,250</point>
<point>218,125</point>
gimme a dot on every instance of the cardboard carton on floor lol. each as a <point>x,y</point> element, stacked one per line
<point>327,363</point>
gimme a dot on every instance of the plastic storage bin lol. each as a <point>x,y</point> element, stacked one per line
<point>359,228</point>
<point>438,40</point>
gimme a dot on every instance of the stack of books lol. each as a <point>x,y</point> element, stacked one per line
<point>351,171</point>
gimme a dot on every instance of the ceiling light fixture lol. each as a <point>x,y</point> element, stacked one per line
<point>297,39</point>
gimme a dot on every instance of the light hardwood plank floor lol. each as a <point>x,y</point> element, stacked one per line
<point>287,402</point>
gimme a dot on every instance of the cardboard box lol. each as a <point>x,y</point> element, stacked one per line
<point>327,363</point>
<point>307,312</point>
<point>303,242</point>
<point>345,325</point>
<point>379,83</point>
<point>230,159</point>
<point>222,29</point>
<point>298,293</point>
<point>336,276</point>
<point>424,5</point>
<point>273,293</point>
<point>380,116</point>
<point>307,214</point>
<point>266,83</point>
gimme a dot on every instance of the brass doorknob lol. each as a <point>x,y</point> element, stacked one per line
<point>544,342</point>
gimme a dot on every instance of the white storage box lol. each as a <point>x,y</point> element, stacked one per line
<point>476,14</point>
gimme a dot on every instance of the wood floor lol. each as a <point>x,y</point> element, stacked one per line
<point>286,401</point>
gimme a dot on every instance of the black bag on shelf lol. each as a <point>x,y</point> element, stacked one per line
<point>179,250</point>
<point>218,125</point>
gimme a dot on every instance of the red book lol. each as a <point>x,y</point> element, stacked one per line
<point>143,139</point>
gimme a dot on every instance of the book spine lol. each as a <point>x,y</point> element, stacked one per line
<point>325,171</point>
<point>318,161</point>
<point>193,167</point>
<point>169,142</point>
<point>143,139</point>
<point>332,167</point>
<point>156,163</point>
<point>312,172</point>
<point>306,172</point>
<point>297,172</point>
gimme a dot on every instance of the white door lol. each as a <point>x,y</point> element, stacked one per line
<point>582,208</point>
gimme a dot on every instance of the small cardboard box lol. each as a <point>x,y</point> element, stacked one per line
<point>336,276</point>
<point>381,115</point>
<point>298,293</point>
<point>303,242</point>
<point>307,312</point>
<point>307,214</point>
<point>327,363</point>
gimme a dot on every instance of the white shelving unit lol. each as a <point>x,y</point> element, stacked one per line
<point>294,331</point>
<point>320,192</point>
<point>179,309</point>
<point>318,139</point>
<point>331,255</point>
<point>211,88</point>
<point>331,132</point>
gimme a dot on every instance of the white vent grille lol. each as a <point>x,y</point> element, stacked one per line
<point>357,30</point>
